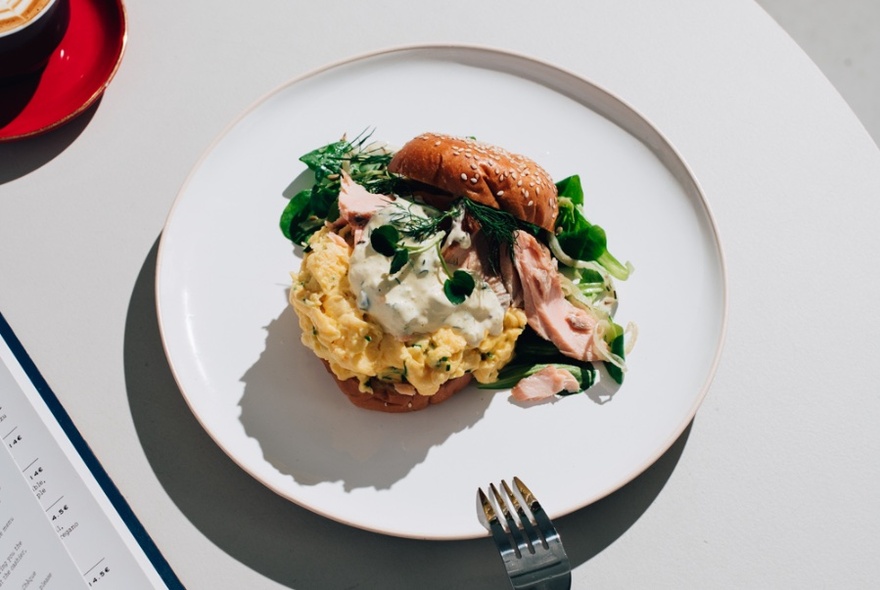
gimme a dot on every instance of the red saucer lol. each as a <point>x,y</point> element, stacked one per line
<point>77,73</point>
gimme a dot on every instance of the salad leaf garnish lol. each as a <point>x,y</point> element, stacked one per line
<point>366,163</point>
<point>298,222</point>
<point>533,353</point>
<point>579,238</point>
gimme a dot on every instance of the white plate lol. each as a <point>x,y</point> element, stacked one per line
<point>233,342</point>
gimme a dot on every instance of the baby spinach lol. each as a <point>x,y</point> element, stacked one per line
<point>578,237</point>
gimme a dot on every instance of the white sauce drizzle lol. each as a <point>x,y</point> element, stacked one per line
<point>412,302</point>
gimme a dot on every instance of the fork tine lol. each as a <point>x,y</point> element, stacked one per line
<point>548,531</point>
<point>491,522</point>
<point>530,548</point>
<point>519,542</point>
<point>525,521</point>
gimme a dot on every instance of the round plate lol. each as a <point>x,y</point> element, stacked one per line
<point>77,73</point>
<point>234,343</point>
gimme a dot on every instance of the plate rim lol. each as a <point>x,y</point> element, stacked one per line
<point>667,145</point>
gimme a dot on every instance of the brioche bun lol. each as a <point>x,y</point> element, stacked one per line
<point>481,172</point>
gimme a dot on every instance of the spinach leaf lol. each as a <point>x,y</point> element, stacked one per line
<point>579,238</point>
<point>298,222</point>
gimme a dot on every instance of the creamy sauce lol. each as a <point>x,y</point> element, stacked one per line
<point>412,302</point>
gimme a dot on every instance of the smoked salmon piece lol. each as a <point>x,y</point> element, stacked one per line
<point>357,204</point>
<point>549,313</point>
<point>545,383</point>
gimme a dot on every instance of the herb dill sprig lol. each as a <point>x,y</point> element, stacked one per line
<point>498,226</point>
<point>417,227</point>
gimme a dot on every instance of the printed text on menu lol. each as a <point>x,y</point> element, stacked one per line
<point>57,529</point>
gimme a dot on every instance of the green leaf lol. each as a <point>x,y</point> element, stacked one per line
<point>571,189</point>
<point>531,346</point>
<point>401,257</point>
<point>617,347</point>
<point>588,275</point>
<point>579,238</point>
<point>298,222</point>
<point>458,287</point>
<point>384,240</point>
<point>296,210</point>
<point>326,160</point>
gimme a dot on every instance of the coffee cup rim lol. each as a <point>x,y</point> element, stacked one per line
<point>29,23</point>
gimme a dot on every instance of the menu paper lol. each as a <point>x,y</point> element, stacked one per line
<point>63,525</point>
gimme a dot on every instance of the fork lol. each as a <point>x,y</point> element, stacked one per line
<point>530,546</point>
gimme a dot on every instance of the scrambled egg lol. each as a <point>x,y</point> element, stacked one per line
<point>355,345</point>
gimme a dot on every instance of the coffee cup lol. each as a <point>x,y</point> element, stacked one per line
<point>30,30</point>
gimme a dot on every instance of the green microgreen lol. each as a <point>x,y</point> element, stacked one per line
<point>385,240</point>
<point>459,286</point>
<point>398,260</point>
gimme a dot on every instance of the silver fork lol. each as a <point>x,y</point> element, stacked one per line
<point>529,545</point>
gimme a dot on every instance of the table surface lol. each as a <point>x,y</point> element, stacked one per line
<point>776,483</point>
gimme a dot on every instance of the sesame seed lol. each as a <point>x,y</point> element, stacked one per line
<point>519,182</point>
<point>463,176</point>
<point>474,180</point>
<point>437,142</point>
<point>499,194</point>
<point>531,202</point>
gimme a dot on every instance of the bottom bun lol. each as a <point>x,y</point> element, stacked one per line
<point>385,398</point>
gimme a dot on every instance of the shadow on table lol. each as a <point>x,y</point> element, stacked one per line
<point>295,547</point>
<point>22,156</point>
<point>324,438</point>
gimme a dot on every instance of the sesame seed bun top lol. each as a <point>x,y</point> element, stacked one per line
<point>481,172</point>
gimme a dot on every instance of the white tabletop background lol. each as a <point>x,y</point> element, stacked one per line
<point>776,484</point>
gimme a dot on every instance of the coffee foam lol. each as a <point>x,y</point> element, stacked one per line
<point>15,14</point>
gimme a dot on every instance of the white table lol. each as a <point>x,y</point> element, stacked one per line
<point>775,484</point>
